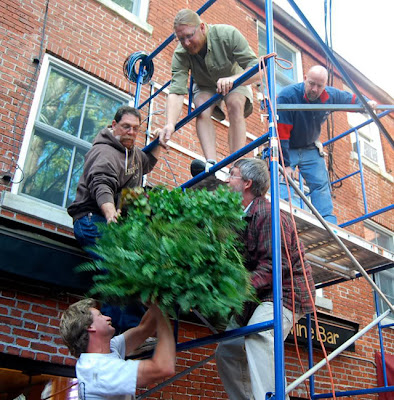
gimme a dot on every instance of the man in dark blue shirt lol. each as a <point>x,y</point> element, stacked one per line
<point>299,132</point>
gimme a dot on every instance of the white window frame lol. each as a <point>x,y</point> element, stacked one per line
<point>386,273</point>
<point>368,135</point>
<point>138,16</point>
<point>323,302</point>
<point>299,70</point>
<point>28,205</point>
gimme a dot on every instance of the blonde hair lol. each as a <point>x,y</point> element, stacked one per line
<point>74,326</point>
<point>187,17</point>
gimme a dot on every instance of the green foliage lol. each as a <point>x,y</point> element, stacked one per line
<point>175,247</point>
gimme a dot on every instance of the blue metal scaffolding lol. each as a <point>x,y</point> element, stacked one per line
<point>145,70</point>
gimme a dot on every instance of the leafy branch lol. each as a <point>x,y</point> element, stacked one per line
<point>176,248</point>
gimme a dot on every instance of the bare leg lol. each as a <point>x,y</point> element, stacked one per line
<point>235,103</point>
<point>205,128</point>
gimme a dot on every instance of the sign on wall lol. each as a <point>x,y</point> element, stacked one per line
<point>333,331</point>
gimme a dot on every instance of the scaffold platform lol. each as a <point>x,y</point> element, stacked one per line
<point>329,262</point>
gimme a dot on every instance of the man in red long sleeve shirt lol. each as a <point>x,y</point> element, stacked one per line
<point>246,365</point>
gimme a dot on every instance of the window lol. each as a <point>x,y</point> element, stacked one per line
<point>129,5</point>
<point>72,108</point>
<point>284,77</point>
<point>369,141</point>
<point>384,279</point>
<point>135,11</point>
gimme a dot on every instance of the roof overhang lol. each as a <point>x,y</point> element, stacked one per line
<point>41,256</point>
<point>283,20</point>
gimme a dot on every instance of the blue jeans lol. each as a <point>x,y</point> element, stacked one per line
<point>313,169</point>
<point>86,232</point>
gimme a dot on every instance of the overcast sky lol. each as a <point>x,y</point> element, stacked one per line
<point>362,33</point>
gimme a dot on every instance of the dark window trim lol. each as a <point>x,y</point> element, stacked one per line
<point>34,367</point>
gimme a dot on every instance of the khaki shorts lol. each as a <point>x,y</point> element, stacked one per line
<point>218,112</point>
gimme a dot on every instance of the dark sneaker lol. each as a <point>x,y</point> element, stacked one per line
<point>198,166</point>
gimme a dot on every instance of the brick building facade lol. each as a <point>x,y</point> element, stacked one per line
<point>57,55</point>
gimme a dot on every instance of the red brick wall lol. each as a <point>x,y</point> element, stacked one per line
<point>96,40</point>
<point>353,301</point>
<point>29,325</point>
<point>101,48</point>
<point>29,321</point>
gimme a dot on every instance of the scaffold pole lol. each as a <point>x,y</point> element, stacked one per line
<point>337,351</point>
<point>338,241</point>
<point>343,72</point>
<point>275,212</point>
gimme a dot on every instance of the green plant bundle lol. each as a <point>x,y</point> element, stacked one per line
<point>175,248</point>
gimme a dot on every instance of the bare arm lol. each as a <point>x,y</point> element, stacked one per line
<point>162,364</point>
<point>134,337</point>
<point>173,110</point>
<point>110,212</point>
<point>157,149</point>
<point>224,85</point>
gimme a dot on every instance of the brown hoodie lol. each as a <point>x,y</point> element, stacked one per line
<point>109,167</point>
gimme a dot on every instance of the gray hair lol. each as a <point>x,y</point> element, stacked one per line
<point>187,17</point>
<point>257,171</point>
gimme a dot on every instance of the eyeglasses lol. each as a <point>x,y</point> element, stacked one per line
<point>232,176</point>
<point>187,37</point>
<point>126,127</point>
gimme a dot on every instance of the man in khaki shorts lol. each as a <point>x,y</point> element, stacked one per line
<point>216,55</point>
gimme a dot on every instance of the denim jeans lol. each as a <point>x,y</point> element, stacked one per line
<point>86,232</point>
<point>313,169</point>
<point>246,365</point>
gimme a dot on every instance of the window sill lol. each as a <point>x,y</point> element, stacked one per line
<point>324,302</point>
<point>373,166</point>
<point>127,15</point>
<point>386,321</point>
<point>35,208</point>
